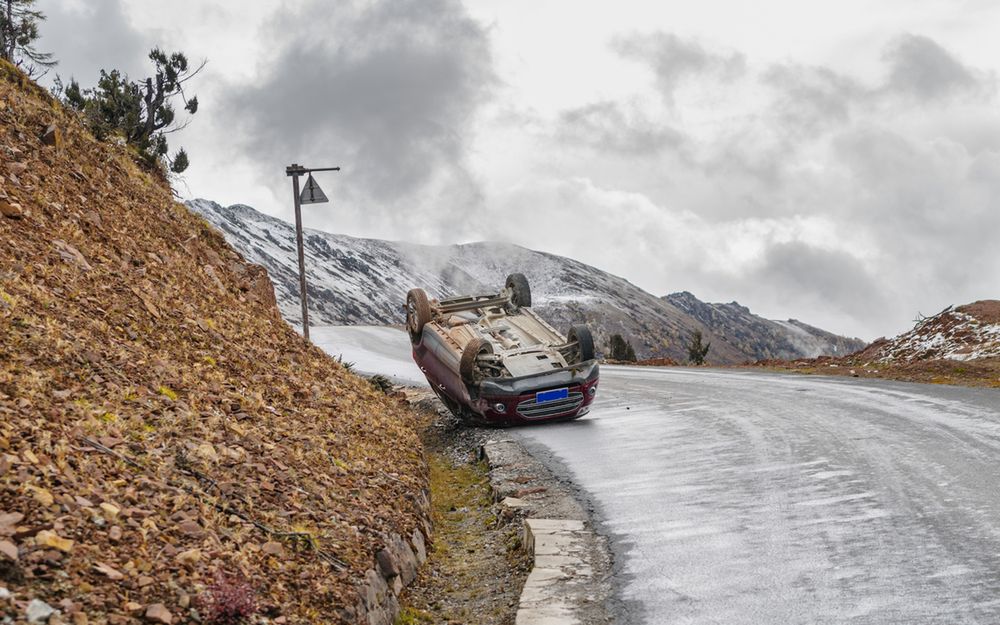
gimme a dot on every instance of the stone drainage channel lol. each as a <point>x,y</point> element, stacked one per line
<point>570,583</point>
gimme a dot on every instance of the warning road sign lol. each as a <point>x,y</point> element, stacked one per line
<point>311,193</point>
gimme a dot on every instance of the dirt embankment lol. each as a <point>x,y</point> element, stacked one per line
<point>160,425</point>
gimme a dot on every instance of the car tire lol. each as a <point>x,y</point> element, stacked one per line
<point>520,292</point>
<point>584,350</point>
<point>418,313</point>
<point>467,365</point>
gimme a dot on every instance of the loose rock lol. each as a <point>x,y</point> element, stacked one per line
<point>52,136</point>
<point>8,549</point>
<point>51,539</point>
<point>38,611</point>
<point>13,211</point>
<point>108,570</point>
<point>191,556</point>
<point>158,613</point>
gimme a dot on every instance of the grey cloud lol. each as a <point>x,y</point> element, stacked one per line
<point>920,68</point>
<point>673,59</point>
<point>809,100</point>
<point>931,207</point>
<point>387,88</point>
<point>606,126</point>
<point>810,105</point>
<point>88,37</point>
<point>807,277</point>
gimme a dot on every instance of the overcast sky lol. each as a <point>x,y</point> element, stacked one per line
<point>838,163</point>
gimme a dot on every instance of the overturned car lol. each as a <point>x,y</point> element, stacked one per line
<point>493,361</point>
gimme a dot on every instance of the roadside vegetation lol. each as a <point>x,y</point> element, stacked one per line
<point>697,350</point>
<point>19,23</point>
<point>620,349</point>
<point>476,568</point>
<point>140,113</point>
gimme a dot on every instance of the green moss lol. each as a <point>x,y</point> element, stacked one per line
<point>167,392</point>
<point>412,616</point>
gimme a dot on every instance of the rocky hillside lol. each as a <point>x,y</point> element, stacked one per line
<point>364,281</point>
<point>965,333</point>
<point>166,440</point>
<point>764,338</point>
<point>960,345</point>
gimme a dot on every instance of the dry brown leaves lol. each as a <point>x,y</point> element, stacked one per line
<point>112,330</point>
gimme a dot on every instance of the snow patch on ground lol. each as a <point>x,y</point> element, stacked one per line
<point>951,335</point>
<point>372,349</point>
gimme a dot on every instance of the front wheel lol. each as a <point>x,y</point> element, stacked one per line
<point>468,367</point>
<point>418,313</point>
<point>582,342</point>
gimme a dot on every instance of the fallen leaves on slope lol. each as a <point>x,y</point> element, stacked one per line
<point>128,322</point>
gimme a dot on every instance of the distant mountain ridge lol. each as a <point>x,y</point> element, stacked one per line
<point>354,281</point>
<point>764,338</point>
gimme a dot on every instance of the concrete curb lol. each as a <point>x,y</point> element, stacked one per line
<point>560,548</point>
<point>566,585</point>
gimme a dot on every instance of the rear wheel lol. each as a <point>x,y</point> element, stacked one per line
<point>468,367</point>
<point>418,313</point>
<point>520,292</point>
<point>583,344</point>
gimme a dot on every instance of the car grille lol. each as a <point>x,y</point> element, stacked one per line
<point>530,410</point>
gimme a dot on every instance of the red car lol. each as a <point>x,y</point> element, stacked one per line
<point>493,361</point>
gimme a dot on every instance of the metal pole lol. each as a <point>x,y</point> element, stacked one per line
<point>303,297</point>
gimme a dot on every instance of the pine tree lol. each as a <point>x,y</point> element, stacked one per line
<point>697,351</point>
<point>621,349</point>
<point>18,32</point>
<point>140,112</point>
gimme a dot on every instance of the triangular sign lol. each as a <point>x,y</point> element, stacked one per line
<point>311,193</point>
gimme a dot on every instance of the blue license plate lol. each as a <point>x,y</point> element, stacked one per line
<point>554,395</point>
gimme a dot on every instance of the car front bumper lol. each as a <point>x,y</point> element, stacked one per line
<point>510,401</point>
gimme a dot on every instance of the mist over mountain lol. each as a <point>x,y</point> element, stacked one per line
<point>354,281</point>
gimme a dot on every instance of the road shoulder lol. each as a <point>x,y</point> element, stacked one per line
<point>569,583</point>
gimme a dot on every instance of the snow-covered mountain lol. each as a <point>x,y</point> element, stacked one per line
<point>364,281</point>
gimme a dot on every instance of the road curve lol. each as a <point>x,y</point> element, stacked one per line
<point>736,497</point>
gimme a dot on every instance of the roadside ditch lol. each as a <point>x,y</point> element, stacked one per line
<point>512,544</point>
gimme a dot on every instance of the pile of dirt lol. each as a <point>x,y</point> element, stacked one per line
<point>657,362</point>
<point>159,423</point>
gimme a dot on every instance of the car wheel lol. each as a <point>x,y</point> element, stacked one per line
<point>584,348</point>
<point>520,292</point>
<point>418,313</point>
<point>468,367</point>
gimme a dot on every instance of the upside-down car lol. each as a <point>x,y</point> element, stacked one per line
<point>493,361</point>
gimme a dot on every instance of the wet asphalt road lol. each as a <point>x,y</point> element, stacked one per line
<point>739,497</point>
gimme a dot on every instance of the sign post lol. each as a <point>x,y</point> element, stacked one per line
<point>311,194</point>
